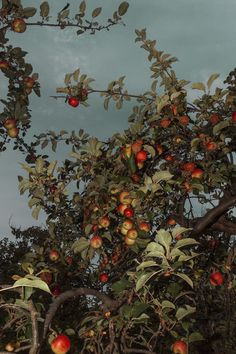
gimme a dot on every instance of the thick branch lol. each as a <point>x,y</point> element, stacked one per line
<point>224,225</point>
<point>107,301</point>
<point>35,331</point>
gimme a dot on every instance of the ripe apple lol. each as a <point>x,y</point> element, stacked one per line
<point>73,101</point>
<point>216,279</point>
<point>197,173</point>
<point>127,224</point>
<point>171,222</point>
<point>125,198</point>
<point>54,255</point>
<point>184,120</point>
<point>144,226</point>
<point>165,122</point>
<point>135,178</point>
<point>104,221</point>
<point>46,277</point>
<point>29,82</point>
<point>174,109</point>
<point>103,277</point>
<point>188,166</point>
<point>178,139</point>
<point>214,119</point>
<point>18,25</point>
<point>69,260</point>
<point>141,156</point>
<point>129,241</point>
<point>137,146</point>
<point>123,231</point>
<point>129,212</point>
<point>234,117</point>
<point>13,132</point>
<point>132,234</point>
<point>126,151</point>
<point>53,189</point>
<point>61,344</point>
<point>56,290</point>
<point>180,347</point>
<point>9,123</point>
<point>121,208</point>
<point>10,347</point>
<point>169,158</point>
<point>140,164</point>
<point>4,64</point>
<point>159,149</point>
<point>211,146</point>
<point>96,241</point>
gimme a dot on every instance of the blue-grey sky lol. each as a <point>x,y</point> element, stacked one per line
<point>201,33</point>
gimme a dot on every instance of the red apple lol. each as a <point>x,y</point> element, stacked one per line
<point>214,119</point>
<point>216,279</point>
<point>96,241</point>
<point>234,117</point>
<point>135,178</point>
<point>132,234</point>
<point>9,123</point>
<point>18,25</point>
<point>144,226</point>
<point>29,82</point>
<point>129,241</point>
<point>169,158</point>
<point>127,224</point>
<point>159,149</point>
<point>46,277</point>
<point>56,291</point>
<point>184,120</point>
<point>171,222</point>
<point>53,189</point>
<point>180,347</point>
<point>121,208</point>
<point>54,255</point>
<point>69,260</point>
<point>197,173</point>
<point>103,277</point>
<point>137,146</point>
<point>61,344</point>
<point>165,122</point>
<point>141,156</point>
<point>13,132</point>
<point>73,101</point>
<point>104,221</point>
<point>129,212</point>
<point>125,198</point>
<point>211,146</point>
<point>188,166</point>
<point>4,64</point>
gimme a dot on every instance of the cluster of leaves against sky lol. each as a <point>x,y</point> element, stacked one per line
<point>126,264</point>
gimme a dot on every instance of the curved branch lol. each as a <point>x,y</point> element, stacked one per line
<point>107,301</point>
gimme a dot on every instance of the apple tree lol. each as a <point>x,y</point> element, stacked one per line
<point>126,264</point>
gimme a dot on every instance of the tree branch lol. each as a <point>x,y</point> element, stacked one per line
<point>35,331</point>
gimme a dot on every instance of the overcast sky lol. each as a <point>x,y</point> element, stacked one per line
<point>201,33</point>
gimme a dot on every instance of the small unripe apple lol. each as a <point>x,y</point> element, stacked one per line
<point>141,156</point>
<point>165,122</point>
<point>9,123</point>
<point>129,212</point>
<point>73,101</point>
<point>129,241</point>
<point>127,151</point>
<point>96,241</point>
<point>121,208</point>
<point>18,25</point>
<point>104,221</point>
<point>13,132</point>
<point>214,119</point>
<point>103,277</point>
<point>54,255</point>
<point>188,166</point>
<point>197,173</point>
<point>125,198</point>
<point>127,224</point>
<point>233,117</point>
<point>137,146</point>
<point>132,234</point>
<point>140,164</point>
<point>180,347</point>
<point>4,64</point>
<point>29,82</point>
<point>123,231</point>
<point>216,279</point>
<point>184,120</point>
<point>144,226</point>
<point>159,149</point>
<point>61,344</point>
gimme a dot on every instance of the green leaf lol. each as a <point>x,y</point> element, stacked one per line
<point>35,212</point>
<point>80,245</point>
<point>143,279</point>
<point>211,79</point>
<point>186,242</point>
<point>96,12</point>
<point>199,86</point>
<point>30,281</point>
<point>184,311</point>
<point>123,8</point>
<point>161,176</point>
<point>218,127</point>
<point>29,12</point>
<point>44,9</point>
<point>179,230</point>
<point>51,168</point>
<point>155,247</point>
<point>120,285</point>
<point>195,337</point>
<point>146,264</point>
<point>185,278</point>
<point>164,238</point>
<point>82,7</point>
<point>39,165</point>
<point>76,75</point>
<point>167,304</point>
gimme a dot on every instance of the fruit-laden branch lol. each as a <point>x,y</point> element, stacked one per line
<point>108,303</point>
<point>213,215</point>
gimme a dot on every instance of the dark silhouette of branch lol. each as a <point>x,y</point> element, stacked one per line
<point>35,330</point>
